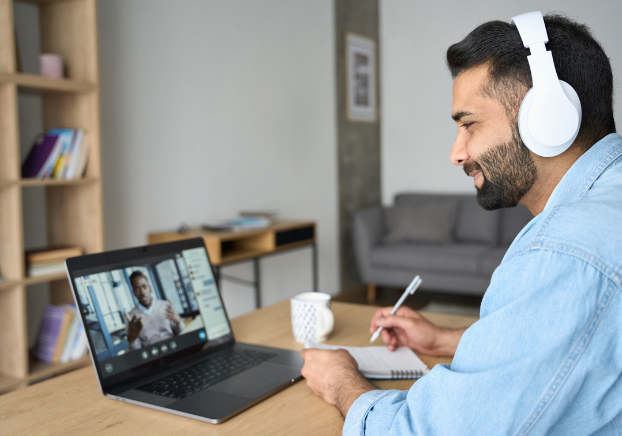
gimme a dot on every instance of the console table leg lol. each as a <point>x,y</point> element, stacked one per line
<point>257,282</point>
<point>217,278</point>
<point>371,293</point>
<point>314,254</point>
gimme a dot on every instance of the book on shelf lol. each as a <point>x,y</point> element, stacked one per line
<point>50,260</point>
<point>60,154</point>
<point>53,253</point>
<point>45,269</point>
<point>61,335</point>
<point>65,135</point>
<point>45,150</point>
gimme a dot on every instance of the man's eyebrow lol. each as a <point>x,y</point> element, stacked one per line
<point>458,115</point>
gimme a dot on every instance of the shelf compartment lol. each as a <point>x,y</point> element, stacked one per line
<point>41,370</point>
<point>37,84</point>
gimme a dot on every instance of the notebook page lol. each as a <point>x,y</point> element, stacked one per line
<point>379,359</point>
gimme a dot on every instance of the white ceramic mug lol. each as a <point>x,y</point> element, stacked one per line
<point>312,319</point>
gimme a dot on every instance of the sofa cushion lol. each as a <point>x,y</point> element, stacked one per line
<point>457,258</point>
<point>491,259</point>
<point>512,222</point>
<point>474,224</point>
<point>431,223</point>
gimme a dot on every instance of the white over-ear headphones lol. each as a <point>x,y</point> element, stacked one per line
<point>550,114</point>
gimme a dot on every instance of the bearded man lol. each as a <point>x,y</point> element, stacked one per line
<point>546,355</point>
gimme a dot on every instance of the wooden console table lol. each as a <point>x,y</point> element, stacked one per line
<point>229,247</point>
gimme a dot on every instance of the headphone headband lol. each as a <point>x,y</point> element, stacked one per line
<point>531,28</point>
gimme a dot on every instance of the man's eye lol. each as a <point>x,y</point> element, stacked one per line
<point>466,125</point>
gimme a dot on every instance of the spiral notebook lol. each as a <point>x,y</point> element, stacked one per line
<point>380,363</point>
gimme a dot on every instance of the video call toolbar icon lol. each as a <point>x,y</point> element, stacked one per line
<point>144,354</point>
<point>108,367</point>
<point>154,351</point>
<point>173,345</point>
<point>202,335</point>
<point>164,348</point>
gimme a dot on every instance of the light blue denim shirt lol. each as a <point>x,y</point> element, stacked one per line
<point>546,355</point>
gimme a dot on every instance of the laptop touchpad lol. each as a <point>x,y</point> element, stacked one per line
<point>257,381</point>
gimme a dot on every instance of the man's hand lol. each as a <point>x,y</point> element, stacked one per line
<point>134,326</point>
<point>408,328</point>
<point>333,375</point>
<point>170,312</point>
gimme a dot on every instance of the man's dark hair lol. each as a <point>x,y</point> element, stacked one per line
<point>135,275</point>
<point>579,60</point>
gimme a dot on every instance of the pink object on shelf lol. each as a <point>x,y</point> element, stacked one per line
<point>51,65</point>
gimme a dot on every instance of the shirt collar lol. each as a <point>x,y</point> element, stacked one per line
<point>144,309</point>
<point>583,173</point>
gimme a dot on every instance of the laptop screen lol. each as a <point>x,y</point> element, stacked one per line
<point>137,311</point>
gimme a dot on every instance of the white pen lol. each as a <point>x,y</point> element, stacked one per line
<point>409,291</point>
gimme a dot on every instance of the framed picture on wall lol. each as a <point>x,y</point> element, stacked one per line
<point>360,78</point>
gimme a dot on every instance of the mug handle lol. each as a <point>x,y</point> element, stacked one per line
<point>328,321</point>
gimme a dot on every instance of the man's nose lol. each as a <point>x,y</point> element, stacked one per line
<point>459,154</point>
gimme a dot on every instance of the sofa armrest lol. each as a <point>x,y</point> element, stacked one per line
<point>367,231</point>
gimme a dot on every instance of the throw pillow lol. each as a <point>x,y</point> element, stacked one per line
<point>432,223</point>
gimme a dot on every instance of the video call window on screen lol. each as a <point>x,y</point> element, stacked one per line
<point>130,308</point>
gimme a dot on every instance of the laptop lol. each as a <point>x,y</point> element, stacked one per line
<point>159,334</point>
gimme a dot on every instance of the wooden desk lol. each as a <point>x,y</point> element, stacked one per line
<point>228,247</point>
<point>73,403</point>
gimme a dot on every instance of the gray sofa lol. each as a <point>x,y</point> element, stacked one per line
<point>449,240</point>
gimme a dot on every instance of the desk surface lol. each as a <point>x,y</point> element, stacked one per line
<point>73,403</point>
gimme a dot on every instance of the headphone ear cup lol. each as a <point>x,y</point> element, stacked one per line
<point>523,124</point>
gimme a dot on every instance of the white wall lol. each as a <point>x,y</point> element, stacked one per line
<point>417,131</point>
<point>212,107</point>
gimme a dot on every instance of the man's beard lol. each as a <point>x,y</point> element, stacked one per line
<point>510,173</point>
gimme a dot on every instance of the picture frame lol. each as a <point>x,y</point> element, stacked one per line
<point>361,89</point>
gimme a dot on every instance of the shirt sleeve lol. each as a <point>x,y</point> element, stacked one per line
<point>136,345</point>
<point>177,326</point>
<point>354,424</point>
<point>517,368</point>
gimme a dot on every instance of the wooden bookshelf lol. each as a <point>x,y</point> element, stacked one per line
<point>8,384</point>
<point>43,279</point>
<point>41,370</point>
<point>37,182</point>
<point>74,207</point>
<point>6,284</point>
<point>34,83</point>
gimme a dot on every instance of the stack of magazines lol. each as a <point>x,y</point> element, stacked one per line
<point>239,224</point>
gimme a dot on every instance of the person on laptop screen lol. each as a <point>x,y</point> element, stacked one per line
<point>151,320</point>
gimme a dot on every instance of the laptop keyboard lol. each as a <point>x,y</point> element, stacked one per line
<point>207,373</point>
